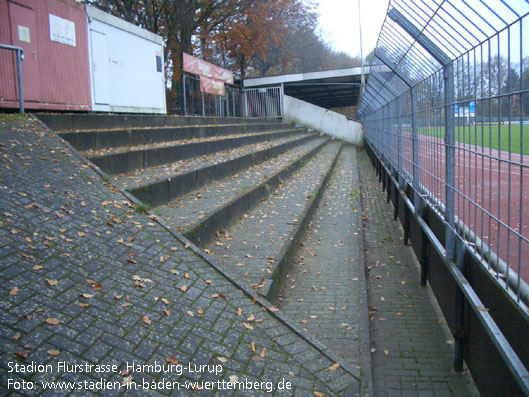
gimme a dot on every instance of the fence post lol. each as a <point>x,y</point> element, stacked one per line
<point>415,145</point>
<point>450,159</point>
<point>399,140</point>
<point>203,106</point>
<point>184,89</point>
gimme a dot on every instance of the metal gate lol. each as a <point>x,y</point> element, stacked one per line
<point>264,102</point>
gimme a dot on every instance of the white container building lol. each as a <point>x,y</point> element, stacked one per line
<point>126,66</point>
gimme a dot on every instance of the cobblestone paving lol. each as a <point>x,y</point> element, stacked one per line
<point>187,211</point>
<point>152,174</point>
<point>250,247</point>
<point>123,149</point>
<point>411,353</point>
<point>323,291</point>
<point>86,279</point>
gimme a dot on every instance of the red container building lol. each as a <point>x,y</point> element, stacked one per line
<point>53,35</point>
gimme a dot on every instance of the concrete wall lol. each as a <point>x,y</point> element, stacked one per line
<point>323,120</point>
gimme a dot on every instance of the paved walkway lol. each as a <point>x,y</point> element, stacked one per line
<point>411,353</point>
<point>87,280</point>
<point>325,290</point>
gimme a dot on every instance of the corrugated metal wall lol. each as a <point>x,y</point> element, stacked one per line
<point>7,58</point>
<point>63,68</point>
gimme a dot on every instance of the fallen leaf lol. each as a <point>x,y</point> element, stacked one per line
<point>183,288</point>
<point>52,282</point>
<point>97,287</point>
<point>386,352</point>
<point>161,259</point>
<point>186,275</point>
<point>13,291</point>
<point>319,394</point>
<point>190,313</point>
<point>234,378</point>
<point>166,312</point>
<point>38,267</point>
<point>118,297</point>
<point>482,309</point>
<point>147,320</point>
<point>81,234</point>
<point>263,353</point>
<point>273,309</point>
<point>165,301</point>
<point>333,367</point>
<point>87,296</point>
<point>222,359</point>
<point>252,347</point>
<point>83,305</point>
<point>187,245</point>
<point>127,381</point>
<point>21,355</point>
<point>130,260</point>
<point>200,312</point>
<point>247,326</point>
<point>171,360</point>
<point>239,311</point>
<point>251,318</point>
<point>17,337</point>
<point>54,352</point>
<point>52,321</point>
<point>127,304</point>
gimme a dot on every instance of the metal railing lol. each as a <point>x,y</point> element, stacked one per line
<point>19,57</point>
<point>446,111</point>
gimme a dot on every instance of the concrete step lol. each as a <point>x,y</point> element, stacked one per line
<point>185,212</point>
<point>112,138</point>
<point>126,159</point>
<point>159,185</point>
<point>257,246</point>
<point>78,122</point>
<point>244,191</point>
<point>324,289</point>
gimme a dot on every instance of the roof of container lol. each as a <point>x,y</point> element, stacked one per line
<point>95,13</point>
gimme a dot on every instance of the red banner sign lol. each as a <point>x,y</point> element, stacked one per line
<point>212,86</point>
<point>206,69</point>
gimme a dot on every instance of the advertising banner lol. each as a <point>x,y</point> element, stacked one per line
<point>212,86</point>
<point>206,69</point>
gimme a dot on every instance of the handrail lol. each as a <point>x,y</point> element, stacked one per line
<point>20,57</point>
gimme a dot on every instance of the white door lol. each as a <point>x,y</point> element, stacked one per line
<point>100,68</point>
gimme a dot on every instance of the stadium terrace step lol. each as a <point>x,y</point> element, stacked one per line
<point>255,248</point>
<point>126,159</point>
<point>206,229</point>
<point>110,138</point>
<point>199,206</point>
<point>80,122</point>
<point>159,185</point>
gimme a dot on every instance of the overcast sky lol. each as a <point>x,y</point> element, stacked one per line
<point>339,23</point>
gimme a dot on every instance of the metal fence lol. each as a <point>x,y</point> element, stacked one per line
<point>197,103</point>
<point>446,111</point>
<point>238,102</point>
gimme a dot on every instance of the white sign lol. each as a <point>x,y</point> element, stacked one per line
<point>62,30</point>
<point>23,34</point>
